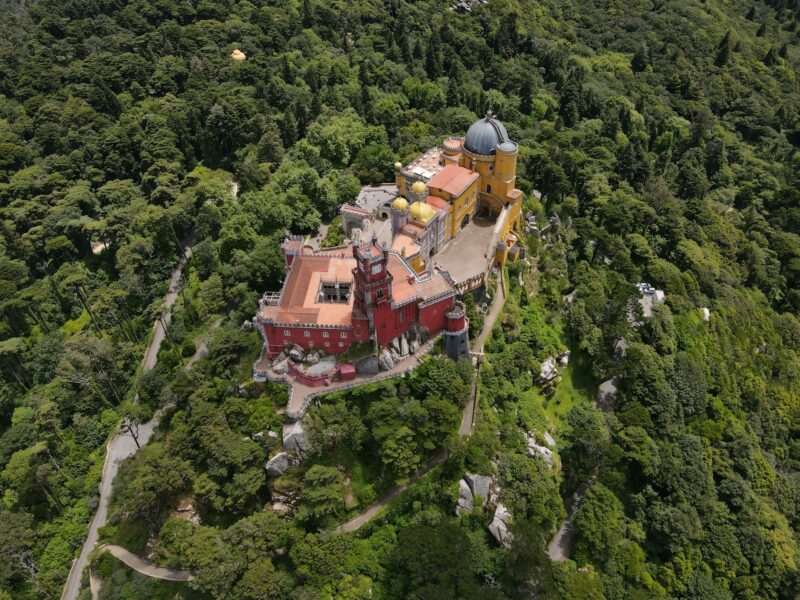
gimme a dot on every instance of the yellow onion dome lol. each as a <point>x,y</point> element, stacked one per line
<point>398,166</point>
<point>421,212</point>
<point>400,203</point>
<point>238,55</point>
<point>418,187</point>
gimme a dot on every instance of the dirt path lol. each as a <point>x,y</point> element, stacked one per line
<point>145,567</point>
<point>122,446</point>
<point>201,350</point>
<point>364,516</point>
<point>465,429</point>
<point>560,546</point>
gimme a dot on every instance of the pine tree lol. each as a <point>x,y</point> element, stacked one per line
<point>724,53</point>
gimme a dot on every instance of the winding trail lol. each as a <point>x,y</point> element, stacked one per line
<point>145,567</point>
<point>465,429</point>
<point>122,445</point>
<point>560,545</point>
<point>149,569</point>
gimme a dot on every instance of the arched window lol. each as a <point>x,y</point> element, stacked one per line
<point>488,189</point>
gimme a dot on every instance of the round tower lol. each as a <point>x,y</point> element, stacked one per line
<point>419,191</point>
<point>505,167</point>
<point>456,332</point>
<point>452,146</point>
<point>399,214</point>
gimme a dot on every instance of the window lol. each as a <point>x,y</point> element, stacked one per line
<point>286,333</point>
<point>341,344</point>
<point>326,334</point>
<point>336,292</point>
<point>327,344</point>
<point>488,189</point>
<point>343,335</point>
<point>307,333</point>
<point>379,294</point>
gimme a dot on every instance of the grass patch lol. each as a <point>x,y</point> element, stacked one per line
<point>577,386</point>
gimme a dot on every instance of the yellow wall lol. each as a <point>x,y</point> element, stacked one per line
<point>506,169</point>
<point>461,205</point>
<point>498,173</point>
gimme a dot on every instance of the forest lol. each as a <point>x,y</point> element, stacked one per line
<point>664,134</point>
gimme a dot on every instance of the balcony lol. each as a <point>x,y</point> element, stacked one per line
<point>271,299</point>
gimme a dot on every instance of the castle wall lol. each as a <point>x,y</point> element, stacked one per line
<point>432,316</point>
<point>389,323</point>
<point>329,339</point>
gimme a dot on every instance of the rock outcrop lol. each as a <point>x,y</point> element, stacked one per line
<point>499,526</point>
<point>385,360</point>
<point>465,502</point>
<point>549,370</point>
<point>294,438</point>
<point>480,486</point>
<point>277,465</point>
<point>535,449</point>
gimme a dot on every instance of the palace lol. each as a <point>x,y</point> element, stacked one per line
<point>451,216</point>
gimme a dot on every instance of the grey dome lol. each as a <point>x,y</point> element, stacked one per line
<point>507,147</point>
<point>484,135</point>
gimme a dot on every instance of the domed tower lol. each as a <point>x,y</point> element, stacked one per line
<point>506,163</point>
<point>420,210</point>
<point>488,150</point>
<point>484,135</point>
<point>456,333</point>
<point>418,190</point>
<point>399,214</point>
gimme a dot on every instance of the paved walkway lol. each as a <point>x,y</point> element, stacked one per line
<point>145,567</point>
<point>560,546</point>
<point>363,517</point>
<point>122,446</point>
<point>300,394</point>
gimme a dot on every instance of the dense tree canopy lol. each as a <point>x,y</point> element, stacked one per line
<point>664,135</point>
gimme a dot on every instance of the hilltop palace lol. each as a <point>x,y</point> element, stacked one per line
<point>413,247</point>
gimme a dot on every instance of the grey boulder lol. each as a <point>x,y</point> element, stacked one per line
<point>277,465</point>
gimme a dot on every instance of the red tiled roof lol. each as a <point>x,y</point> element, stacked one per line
<point>298,303</point>
<point>453,179</point>
<point>437,204</point>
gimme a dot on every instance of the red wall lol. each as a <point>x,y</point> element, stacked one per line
<point>277,341</point>
<point>391,323</point>
<point>456,324</point>
<point>433,315</point>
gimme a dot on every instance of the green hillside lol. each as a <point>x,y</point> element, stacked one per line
<point>665,135</point>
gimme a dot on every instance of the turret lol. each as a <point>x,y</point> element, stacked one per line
<point>456,333</point>
<point>399,214</point>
